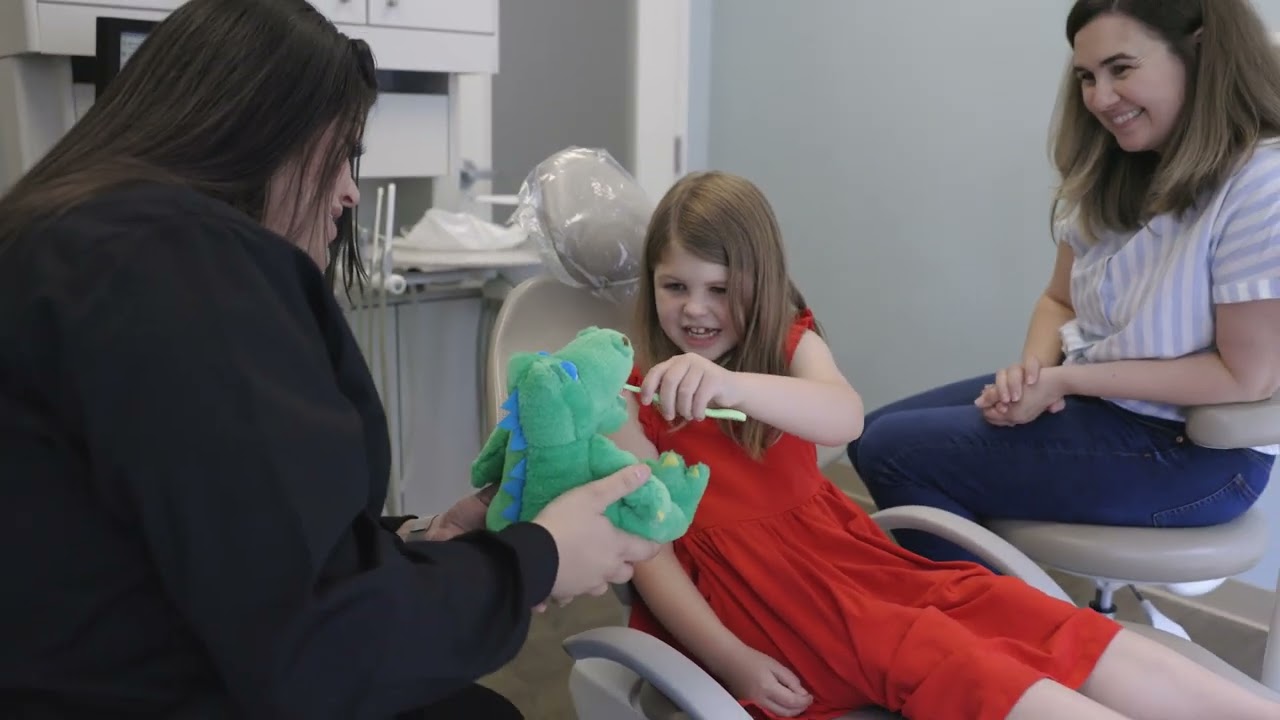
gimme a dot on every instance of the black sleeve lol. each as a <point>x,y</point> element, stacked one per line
<point>212,411</point>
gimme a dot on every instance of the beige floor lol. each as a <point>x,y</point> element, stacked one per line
<point>537,680</point>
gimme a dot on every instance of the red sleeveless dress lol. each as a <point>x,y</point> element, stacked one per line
<point>799,572</point>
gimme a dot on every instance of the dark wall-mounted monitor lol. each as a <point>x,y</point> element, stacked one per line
<point>118,39</point>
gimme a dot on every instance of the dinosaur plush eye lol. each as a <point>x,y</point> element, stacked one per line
<point>570,368</point>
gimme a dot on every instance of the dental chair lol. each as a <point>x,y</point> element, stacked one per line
<point>623,674</point>
<point>1186,561</point>
<point>539,314</point>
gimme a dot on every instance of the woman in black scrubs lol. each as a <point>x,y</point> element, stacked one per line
<point>193,458</point>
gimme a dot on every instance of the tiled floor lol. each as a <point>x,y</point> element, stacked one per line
<point>537,680</point>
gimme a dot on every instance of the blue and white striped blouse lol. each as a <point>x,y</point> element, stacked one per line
<point>1150,294</point>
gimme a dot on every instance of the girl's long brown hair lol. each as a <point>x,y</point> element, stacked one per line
<point>725,219</point>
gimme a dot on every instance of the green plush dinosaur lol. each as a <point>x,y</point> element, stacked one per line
<point>560,408</point>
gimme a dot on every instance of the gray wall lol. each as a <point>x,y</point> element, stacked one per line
<point>566,78</point>
<point>700,43</point>
<point>904,147</point>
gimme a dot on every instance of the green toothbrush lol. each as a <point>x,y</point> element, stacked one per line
<point>721,413</point>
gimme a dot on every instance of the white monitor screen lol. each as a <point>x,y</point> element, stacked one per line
<point>129,42</point>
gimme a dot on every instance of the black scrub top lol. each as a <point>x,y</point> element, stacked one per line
<point>193,463</point>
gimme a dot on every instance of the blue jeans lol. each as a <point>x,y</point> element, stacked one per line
<point>1094,463</point>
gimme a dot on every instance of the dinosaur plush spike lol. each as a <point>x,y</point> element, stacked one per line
<point>510,403</point>
<point>514,486</point>
<point>570,368</point>
<point>518,441</point>
<point>509,422</point>
<point>560,409</point>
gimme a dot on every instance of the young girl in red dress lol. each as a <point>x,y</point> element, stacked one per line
<point>783,588</point>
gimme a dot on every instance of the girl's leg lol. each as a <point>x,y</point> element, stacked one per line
<point>1147,681</point>
<point>1047,700</point>
<point>1091,463</point>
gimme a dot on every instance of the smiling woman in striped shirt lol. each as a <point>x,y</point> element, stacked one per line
<point>1165,294</point>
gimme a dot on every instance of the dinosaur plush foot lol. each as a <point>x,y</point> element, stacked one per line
<point>662,509</point>
<point>685,484</point>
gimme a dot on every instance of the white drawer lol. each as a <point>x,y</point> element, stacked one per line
<point>343,11</point>
<point>349,11</point>
<point>407,136</point>
<point>71,29</point>
<point>427,50</point>
<point>475,16</point>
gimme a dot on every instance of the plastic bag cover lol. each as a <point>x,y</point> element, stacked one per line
<point>587,216</point>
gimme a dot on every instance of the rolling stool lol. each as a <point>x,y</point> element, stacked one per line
<point>1187,561</point>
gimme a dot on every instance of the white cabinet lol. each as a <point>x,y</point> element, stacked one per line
<point>409,135</point>
<point>63,28</point>
<point>118,4</point>
<point>472,16</point>
<point>428,390</point>
<point>448,36</point>
<point>343,11</point>
<point>468,16</point>
<point>438,416</point>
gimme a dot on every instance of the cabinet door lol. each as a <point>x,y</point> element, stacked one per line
<point>127,4</point>
<point>343,11</point>
<point>375,328</point>
<point>340,11</point>
<point>474,16</point>
<point>439,403</point>
<point>407,137</point>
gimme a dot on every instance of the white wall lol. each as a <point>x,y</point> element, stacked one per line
<point>904,145</point>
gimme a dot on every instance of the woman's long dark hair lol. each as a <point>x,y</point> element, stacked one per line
<point>221,95</point>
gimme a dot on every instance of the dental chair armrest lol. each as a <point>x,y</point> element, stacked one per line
<point>1235,425</point>
<point>674,675</point>
<point>993,549</point>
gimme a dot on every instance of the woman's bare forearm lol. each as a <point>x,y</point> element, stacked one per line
<point>1201,379</point>
<point>1044,342</point>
